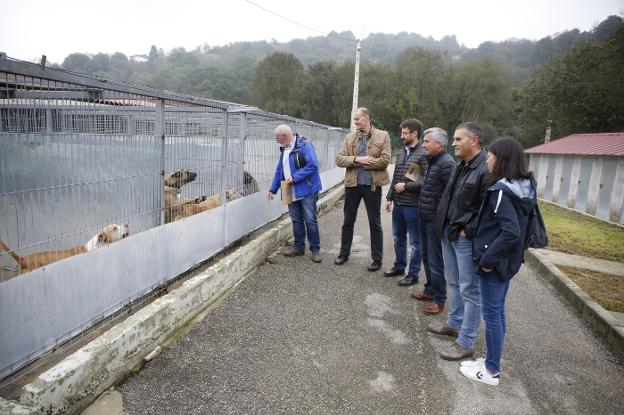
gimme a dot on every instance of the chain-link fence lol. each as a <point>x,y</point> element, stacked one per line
<point>85,163</point>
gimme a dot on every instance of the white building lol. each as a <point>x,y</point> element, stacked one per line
<point>584,172</point>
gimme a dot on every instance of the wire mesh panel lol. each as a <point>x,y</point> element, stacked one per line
<point>86,163</point>
<point>261,149</point>
<point>194,148</point>
<point>70,167</point>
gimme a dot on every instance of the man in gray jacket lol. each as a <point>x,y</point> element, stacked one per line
<point>405,194</point>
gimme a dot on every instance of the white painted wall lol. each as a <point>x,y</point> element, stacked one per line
<point>545,162</point>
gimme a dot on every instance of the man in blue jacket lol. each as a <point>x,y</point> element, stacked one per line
<point>298,165</point>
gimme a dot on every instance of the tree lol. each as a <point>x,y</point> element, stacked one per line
<point>607,28</point>
<point>100,64</point>
<point>579,91</point>
<point>419,76</point>
<point>277,84</point>
<point>328,94</point>
<point>120,67</point>
<point>153,55</point>
<point>78,62</point>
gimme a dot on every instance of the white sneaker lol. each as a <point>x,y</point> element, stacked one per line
<point>479,374</point>
<point>477,362</point>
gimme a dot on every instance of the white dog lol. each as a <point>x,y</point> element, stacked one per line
<point>110,234</point>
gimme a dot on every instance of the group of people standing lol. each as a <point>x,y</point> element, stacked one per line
<point>466,222</point>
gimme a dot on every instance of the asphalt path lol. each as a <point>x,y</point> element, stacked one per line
<point>303,338</point>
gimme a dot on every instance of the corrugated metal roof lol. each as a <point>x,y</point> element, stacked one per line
<point>603,144</point>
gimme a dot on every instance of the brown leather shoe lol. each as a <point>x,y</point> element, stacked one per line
<point>294,252</point>
<point>421,296</point>
<point>434,308</point>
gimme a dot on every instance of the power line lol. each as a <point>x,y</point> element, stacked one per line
<point>285,18</point>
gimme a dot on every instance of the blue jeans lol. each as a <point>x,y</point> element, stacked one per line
<point>463,288</point>
<point>493,294</point>
<point>303,216</point>
<point>432,261</point>
<point>406,221</point>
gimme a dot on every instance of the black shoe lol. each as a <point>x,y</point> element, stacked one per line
<point>374,266</point>
<point>393,272</point>
<point>341,260</point>
<point>408,280</point>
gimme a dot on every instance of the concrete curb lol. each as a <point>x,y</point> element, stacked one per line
<point>80,378</point>
<point>599,319</point>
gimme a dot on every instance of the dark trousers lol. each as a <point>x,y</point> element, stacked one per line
<point>372,201</point>
<point>431,248</point>
<point>406,222</point>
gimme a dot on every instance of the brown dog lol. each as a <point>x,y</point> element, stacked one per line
<point>204,204</point>
<point>110,234</point>
<point>173,182</point>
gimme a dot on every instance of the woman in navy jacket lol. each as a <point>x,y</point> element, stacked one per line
<point>498,246</point>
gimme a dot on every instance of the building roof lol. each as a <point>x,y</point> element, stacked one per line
<point>599,144</point>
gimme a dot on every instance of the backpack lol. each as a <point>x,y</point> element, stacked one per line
<point>536,235</point>
<point>300,161</point>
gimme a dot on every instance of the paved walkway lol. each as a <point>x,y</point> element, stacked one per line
<point>578,261</point>
<point>298,337</point>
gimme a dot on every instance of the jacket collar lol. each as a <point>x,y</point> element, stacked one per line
<point>477,161</point>
<point>412,149</point>
<point>360,133</point>
<point>436,157</point>
<point>296,143</point>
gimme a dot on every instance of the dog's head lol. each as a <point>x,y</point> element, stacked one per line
<point>112,233</point>
<point>231,194</point>
<point>179,178</point>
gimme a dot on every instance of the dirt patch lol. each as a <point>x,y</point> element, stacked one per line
<point>606,289</point>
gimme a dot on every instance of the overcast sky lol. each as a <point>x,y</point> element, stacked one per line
<point>56,28</point>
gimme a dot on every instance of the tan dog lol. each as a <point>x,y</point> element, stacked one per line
<point>110,234</point>
<point>173,182</point>
<point>205,203</point>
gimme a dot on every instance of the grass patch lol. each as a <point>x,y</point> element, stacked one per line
<point>606,289</point>
<point>578,234</point>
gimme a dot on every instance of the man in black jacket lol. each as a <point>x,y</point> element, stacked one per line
<point>439,167</point>
<point>405,193</point>
<point>455,223</point>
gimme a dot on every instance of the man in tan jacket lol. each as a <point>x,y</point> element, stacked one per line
<point>365,153</point>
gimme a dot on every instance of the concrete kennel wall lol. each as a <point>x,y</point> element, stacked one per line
<point>76,381</point>
<point>588,184</point>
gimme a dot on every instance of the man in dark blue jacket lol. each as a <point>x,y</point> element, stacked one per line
<point>298,166</point>
<point>405,193</point>
<point>440,164</point>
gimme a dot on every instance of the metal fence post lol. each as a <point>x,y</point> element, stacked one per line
<point>327,148</point>
<point>159,133</point>
<point>242,142</point>
<point>224,155</point>
<point>49,124</point>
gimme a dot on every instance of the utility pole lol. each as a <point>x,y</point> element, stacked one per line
<point>356,81</point>
<point>547,136</point>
